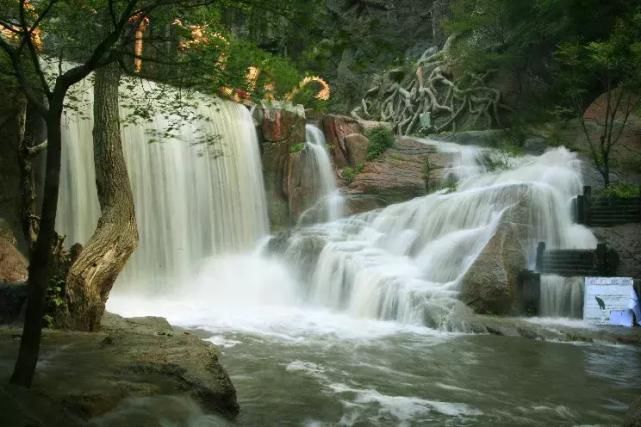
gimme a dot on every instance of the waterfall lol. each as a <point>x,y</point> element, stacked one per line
<point>406,262</point>
<point>198,191</point>
<point>561,296</point>
<point>329,197</point>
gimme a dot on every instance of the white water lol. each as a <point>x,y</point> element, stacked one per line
<point>402,264</point>
<point>561,296</point>
<point>329,197</point>
<point>193,199</point>
<point>405,263</point>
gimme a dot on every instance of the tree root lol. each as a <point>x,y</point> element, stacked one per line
<point>432,91</point>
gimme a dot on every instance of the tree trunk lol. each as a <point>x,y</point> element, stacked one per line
<point>27,153</point>
<point>92,275</point>
<point>40,261</point>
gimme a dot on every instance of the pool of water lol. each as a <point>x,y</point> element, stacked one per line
<point>315,368</point>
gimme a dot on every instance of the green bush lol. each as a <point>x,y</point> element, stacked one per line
<point>620,190</point>
<point>349,173</point>
<point>380,139</point>
<point>297,147</point>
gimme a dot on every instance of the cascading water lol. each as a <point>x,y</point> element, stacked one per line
<point>330,201</point>
<point>561,296</point>
<point>405,263</point>
<point>193,197</point>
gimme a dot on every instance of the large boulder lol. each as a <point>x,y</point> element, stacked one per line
<point>128,359</point>
<point>356,146</point>
<point>336,128</point>
<point>489,286</point>
<point>281,128</point>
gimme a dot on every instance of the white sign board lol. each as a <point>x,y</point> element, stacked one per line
<point>609,300</point>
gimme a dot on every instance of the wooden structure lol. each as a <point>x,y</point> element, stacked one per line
<point>606,211</point>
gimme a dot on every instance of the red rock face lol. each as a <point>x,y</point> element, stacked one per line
<point>278,126</point>
<point>596,113</point>
<point>281,130</point>
<point>336,128</point>
<point>599,108</point>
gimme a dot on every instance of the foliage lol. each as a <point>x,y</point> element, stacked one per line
<point>611,66</point>
<point>307,97</point>
<point>349,173</point>
<point>54,300</point>
<point>520,40</point>
<point>380,139</point>
<point>295,148</point>
<point>620,190</point>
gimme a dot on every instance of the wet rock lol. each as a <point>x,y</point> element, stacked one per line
<point>356,146</point>
<point>336,128</point>
<point>277,245</point>
<point>86,375</point>
<point>281,129</point>
<point>561,332</point>
<point>301,250</point>
<point>356,203</point>
<point>490,284</point>
<point>304,184</point>
<point>402,172</point>
<point>535,145</point>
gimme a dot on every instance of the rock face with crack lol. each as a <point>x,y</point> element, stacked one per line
<point>407,170</point>
<point>81,376</point>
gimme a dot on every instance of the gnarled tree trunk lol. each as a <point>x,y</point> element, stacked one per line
<point>92,275</point>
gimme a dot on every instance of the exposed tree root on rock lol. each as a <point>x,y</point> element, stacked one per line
<point>431,98</point>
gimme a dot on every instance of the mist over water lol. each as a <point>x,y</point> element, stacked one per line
<point>357,321</point>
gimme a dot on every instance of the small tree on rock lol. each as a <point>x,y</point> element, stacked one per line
<point>612,65</point>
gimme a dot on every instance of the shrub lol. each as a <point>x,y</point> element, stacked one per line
<point>380,139</point>
<point>620,190</point>
<point>297,147</point>
<point>348,173</point>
